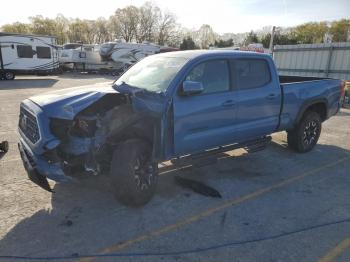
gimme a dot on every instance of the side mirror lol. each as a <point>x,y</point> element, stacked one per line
<point>191,88</point>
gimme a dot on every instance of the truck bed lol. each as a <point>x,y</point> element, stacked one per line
<point>298,92</point>
<point>297,79</point>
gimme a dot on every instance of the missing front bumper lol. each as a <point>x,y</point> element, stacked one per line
<point>32,173</point>
<point>40,180</point>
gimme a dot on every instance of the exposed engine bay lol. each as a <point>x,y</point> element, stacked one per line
<point>87,141</point>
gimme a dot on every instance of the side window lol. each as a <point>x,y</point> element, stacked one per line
<point>250,73</point>
<point>214,76</point>
<point>82,55</point>
<point>43,52</point>
<point>24,51</point>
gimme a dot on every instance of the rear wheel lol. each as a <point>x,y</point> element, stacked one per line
<point>306,134</point>
<point>9,75</point>
<point>134,175</point>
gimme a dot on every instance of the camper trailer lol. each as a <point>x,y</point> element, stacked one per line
<point>80,57</point>
<point>111,56</point>
<point>27,54</point>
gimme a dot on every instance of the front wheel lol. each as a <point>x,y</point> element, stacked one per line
<point>134,175</point>
<point>306,134</point>
<point>4,146</point>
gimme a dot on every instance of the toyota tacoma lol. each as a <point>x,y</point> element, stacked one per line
<point>177,106</point>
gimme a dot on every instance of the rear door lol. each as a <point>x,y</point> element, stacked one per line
<point>259,97</point>
<point>205,120</point>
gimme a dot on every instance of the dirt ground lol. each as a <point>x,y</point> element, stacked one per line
<point>276,205</point>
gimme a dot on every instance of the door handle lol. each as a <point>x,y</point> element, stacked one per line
<point>271,96</point>
<point>228,103</point>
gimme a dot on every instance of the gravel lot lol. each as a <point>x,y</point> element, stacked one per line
<point>276,205</point>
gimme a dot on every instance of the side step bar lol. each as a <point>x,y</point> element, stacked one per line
<point>210,156</point>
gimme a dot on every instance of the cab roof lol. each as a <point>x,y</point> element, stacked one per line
<point>191,54</point>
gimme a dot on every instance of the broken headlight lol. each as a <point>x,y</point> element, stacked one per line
<point>81,127</point>
<point>60,127</point>
<point>84,127</point>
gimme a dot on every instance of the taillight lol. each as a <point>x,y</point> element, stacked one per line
<point>342,88</point>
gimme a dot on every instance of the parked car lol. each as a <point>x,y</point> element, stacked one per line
<point>175,106</point>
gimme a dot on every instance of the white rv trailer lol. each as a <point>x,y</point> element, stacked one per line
<point>27,54</point>
<point>114,56</point>
<point>77,55</point>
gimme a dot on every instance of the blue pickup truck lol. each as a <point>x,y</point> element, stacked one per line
<point>178,106</point>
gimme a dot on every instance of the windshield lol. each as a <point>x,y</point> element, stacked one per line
<point>153,73</point>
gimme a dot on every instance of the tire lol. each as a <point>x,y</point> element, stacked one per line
<point>4,146</point>
<point>8,75</point>
<point>134,176</point>
<point>306,134</point>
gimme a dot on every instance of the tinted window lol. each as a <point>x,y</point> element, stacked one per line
<point>43,52</point>
<point>250,73</point>
<point>24,51</point>
<point>82,55</point>
<point>213,75</point>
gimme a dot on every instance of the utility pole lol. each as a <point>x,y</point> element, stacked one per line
<point>271,39</point>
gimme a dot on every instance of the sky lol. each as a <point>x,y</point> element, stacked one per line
<point>225,16</point>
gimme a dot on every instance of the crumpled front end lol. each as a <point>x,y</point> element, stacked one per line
<point>52,147</point>
<point>36,167</point>
<point>34,145</point>
<point>79,128</point>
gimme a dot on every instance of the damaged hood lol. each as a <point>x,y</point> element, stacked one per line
<point>66,103</point>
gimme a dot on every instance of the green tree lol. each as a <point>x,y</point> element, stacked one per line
<point>42,26</point>
<point>20,28</point>
<point>279,39</point>
<point>310,33</point>
<point>251,38</point>
<point>78,31</point>
<point>188,44</point>
<point>224,43</point>
<point>340,30</point>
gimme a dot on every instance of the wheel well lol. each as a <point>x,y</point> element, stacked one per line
<point>319,108</point>
<point>142,130</point>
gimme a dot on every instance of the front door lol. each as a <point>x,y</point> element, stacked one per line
<point>205,120</point>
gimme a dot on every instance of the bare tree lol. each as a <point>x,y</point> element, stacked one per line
<point>61,29</point>
<point>206,36</point>
<point>114,28</point>
<point>149,15</point>
<point>128,18</point>
<point>166,27</point>
<point>101,30</point>
<point>90,31</point>
<point>80,31</point>
<point>176,36</point>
